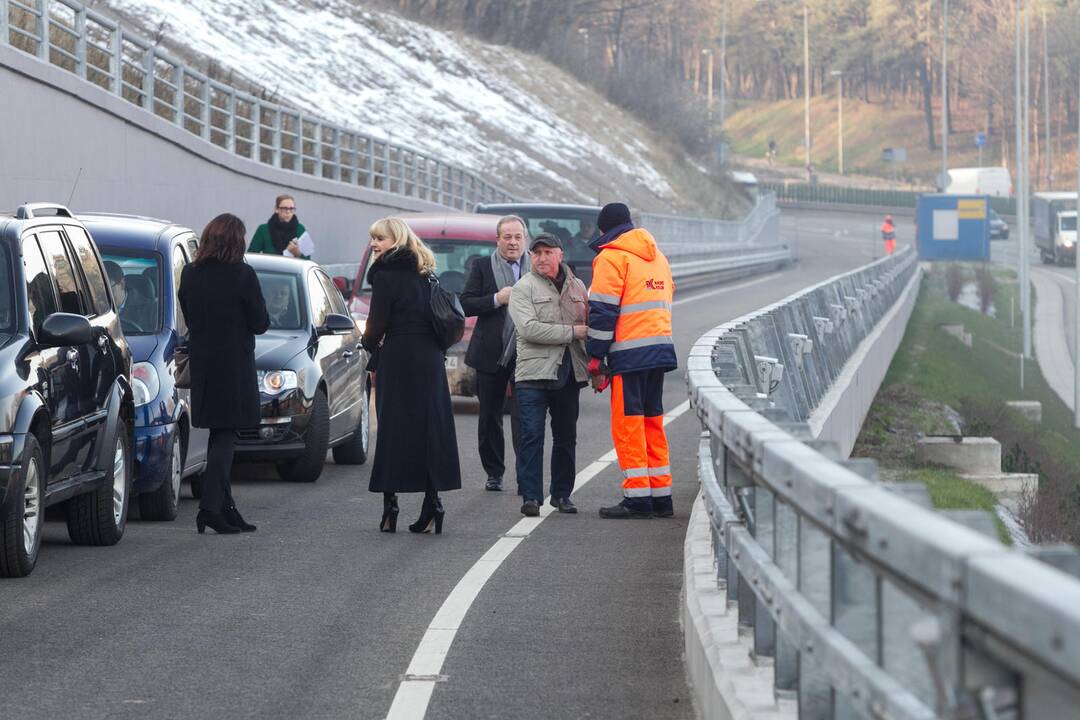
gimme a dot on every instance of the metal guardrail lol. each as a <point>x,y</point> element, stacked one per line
<point>71,36</point>
<point>686,235</point>
<point>838,195</point>
<point>868,603</point>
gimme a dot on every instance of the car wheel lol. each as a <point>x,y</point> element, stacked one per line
<point>99,517</point>
<point>308,467</point>
<point>20,528</point>
<point>354,451</point>
<point>164,503</point>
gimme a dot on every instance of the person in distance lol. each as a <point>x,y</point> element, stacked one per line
<point>493,347</point>
<point>283,234</point>
<point>224,309</point>
<point>416,443</point>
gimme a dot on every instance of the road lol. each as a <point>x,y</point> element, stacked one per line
<point>318,615</point>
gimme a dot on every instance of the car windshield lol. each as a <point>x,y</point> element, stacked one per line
<point>1068,222</point>
<point>7,294</point>
<point>135,279</point>
<point>281,291</point>
<point>453,260</point>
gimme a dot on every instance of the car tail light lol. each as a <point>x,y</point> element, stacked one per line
<point>144,383</point>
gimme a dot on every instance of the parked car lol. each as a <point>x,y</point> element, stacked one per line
<point>151,254</point>
<point>458,240</point>
<point>575,225</point>
<point>65,369</point>
<point>999,229</point>
<point>312,374</point>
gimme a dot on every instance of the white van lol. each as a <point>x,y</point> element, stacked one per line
<point>992,181</point>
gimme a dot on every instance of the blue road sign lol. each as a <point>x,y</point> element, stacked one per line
<point>980,140</point>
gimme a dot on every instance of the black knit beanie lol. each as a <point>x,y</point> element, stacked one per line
<point>613,215</point>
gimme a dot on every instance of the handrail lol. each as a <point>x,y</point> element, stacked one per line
<point>870,603</point>
<point>71,36</point>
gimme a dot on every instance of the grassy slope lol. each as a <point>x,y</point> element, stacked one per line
<point>932,368</point>
<point>867,129</point>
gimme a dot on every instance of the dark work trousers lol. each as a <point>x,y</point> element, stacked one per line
<point>217,481</point>
<point>533,406</point>
<point>491,391</point>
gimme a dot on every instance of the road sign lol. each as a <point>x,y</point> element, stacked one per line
<point>980,140</point>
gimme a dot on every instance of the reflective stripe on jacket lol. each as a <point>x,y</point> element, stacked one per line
<point>630,305</point>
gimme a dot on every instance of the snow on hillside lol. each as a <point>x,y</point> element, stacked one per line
<point>456,98</point>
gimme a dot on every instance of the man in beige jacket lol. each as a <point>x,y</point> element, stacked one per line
<point>549,307</point>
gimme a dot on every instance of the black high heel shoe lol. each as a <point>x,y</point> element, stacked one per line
<point>431,516</point>
<point>389,515</point>
<point>215,521</point>
<point>233,517</point>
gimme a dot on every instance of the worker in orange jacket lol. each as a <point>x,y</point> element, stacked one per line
<point>888,235</point>
<point>629,343</point>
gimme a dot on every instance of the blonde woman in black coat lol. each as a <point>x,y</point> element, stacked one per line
<point>224,309</point>
<point>416,444</point>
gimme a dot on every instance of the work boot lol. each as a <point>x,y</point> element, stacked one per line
<point>530,508</point>
<point>564,505</point>
<point>629,508</point>
<point>662,507</point>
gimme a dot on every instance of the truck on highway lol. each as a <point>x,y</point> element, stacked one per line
<point>1055,226</point>
<point>992,181</point>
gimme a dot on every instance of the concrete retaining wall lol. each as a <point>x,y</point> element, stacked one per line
<point>131,161</point>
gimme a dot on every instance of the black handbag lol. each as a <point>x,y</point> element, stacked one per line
<point>182,371</point>
<point>447,317</point>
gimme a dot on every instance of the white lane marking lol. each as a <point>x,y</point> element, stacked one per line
<point>414,693</point>
<point>728,288</point>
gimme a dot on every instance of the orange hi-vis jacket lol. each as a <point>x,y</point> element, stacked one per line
<point>630,305</point>
<point>888,235</point>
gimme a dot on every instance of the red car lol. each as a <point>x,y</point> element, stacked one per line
<point>458,240</point>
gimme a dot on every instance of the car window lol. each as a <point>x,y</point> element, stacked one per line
<point>337,302</point>
<point>135,278</point>
<point>179,260</point>
<point>320,301</point>
<point>453,260</point>
<point>281,291</point>
<point>7,293</point>
<point>91,268</point>
<point>40,298</point>
<point>63,272</point>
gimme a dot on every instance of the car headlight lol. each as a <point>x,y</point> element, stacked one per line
<point>144,383</point>
<point>275,382</point>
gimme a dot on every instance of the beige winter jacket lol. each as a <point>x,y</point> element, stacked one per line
<point>545,319</point>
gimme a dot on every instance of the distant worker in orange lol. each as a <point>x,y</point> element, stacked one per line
<point>888,235</point>
<point>629,344</point>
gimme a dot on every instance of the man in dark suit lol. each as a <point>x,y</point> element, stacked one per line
<point>491,350</point>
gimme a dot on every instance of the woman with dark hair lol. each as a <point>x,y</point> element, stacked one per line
<point>224,309</point>
<point>416,444</point>
<point>283,234</point>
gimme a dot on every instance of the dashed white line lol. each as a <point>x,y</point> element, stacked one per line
<point>414,693</point>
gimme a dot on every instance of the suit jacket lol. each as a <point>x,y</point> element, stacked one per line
<point>477,300</point>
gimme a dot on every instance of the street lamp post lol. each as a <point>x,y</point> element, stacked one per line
<point>806,84</point>
<point>708,85</point>
<point>945,96</point>
<point>1076,287</point>
<point>839,75</point>
<point>723,64</point>
<point>1026,289</point>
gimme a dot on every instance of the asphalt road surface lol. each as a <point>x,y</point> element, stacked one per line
<point>318,615</point>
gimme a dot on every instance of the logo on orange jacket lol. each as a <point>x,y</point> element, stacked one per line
<point>652,284</point>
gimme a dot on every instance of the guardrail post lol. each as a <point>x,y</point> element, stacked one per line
<point>181,95</point>
<point>786,555</point>
<point>5,33</point>
<point>388,185</point>
<point>275,138</point>
<point>814,582</point>
<point>317,170</point>
<point>43,28</point>
<point>204,113</point>
<point>148,79</point>
<point>80,41</point>
<point>116,61</point>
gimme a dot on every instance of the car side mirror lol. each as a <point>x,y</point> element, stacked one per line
<point>61,329</point>
<point>337,324</point>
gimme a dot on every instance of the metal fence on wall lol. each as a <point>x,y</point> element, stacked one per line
<point>866,602</point>
<point>871,197</point>
<point>71,36</point>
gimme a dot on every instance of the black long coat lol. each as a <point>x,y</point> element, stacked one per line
<point>477,299</point>
<point>416,444</point>
<point>224,309</point>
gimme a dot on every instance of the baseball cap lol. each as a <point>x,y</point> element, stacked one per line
<point>545,238</point>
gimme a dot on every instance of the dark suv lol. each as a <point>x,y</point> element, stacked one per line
<point>65,390</point>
